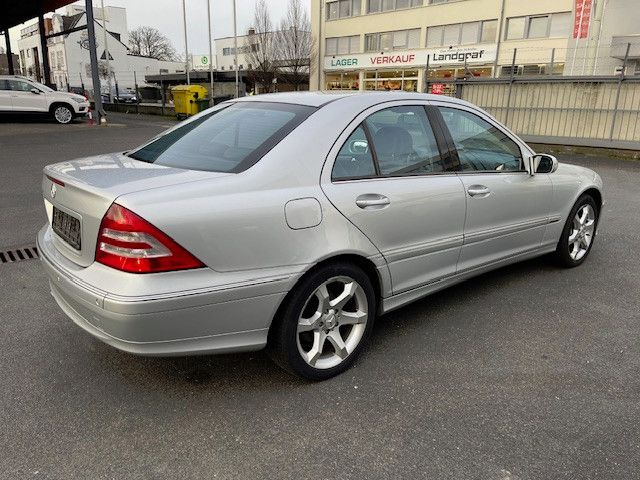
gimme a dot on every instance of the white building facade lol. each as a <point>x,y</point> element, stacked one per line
<point>69,53</point>
<point>400,44</point>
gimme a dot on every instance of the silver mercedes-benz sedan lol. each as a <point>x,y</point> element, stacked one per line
<point>292,221</point>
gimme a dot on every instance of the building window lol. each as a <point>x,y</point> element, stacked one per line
<point>462,33</point>
<point>406,80</point>
<point>376,6</point>
<point>342,45</point>
<point>398,40</point>
<point>489,31</point>
<point>538,26</point>
<point>343,81</point>
<point>343,9</point>
<point>532,70</point>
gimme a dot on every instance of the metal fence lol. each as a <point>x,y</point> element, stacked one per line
<point>590,111</point>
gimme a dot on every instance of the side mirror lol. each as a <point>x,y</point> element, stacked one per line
<point>36,91</point>
<point>542,163</point>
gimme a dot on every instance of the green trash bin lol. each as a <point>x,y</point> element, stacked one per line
<point>203,104</point>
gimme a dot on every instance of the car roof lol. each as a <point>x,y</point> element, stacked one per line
<point>320,98</point>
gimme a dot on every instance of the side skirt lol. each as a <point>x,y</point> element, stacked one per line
<point>401,299</point>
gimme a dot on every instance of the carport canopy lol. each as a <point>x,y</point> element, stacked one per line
<point>19,11</point>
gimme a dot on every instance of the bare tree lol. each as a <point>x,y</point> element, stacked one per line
<point>150,42</point>
<point>259,47</point>
<point>294,45</point>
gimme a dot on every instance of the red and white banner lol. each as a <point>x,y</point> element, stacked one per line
<point>582,18</point>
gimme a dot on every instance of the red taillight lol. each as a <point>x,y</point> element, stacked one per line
<point>129,243</point>
<point>55,180</point>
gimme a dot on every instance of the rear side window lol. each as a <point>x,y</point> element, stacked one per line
<point>404,142</point>
<point>228,140</point>
<point>480,145</point>
<point>354,159</point>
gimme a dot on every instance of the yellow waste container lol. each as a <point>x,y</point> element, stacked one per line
<point>185,99</point>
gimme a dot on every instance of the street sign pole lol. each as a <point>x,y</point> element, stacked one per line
<point>210,54</point>
<point>186,45</point>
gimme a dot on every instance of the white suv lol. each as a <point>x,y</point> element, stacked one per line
<point>22,95</point>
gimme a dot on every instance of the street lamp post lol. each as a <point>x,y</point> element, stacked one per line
<point>186,45</point>
<point>106,49</point>
<point>210,53</point>
<point>235,47</point>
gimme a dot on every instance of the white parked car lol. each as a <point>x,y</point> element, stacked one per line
<point>22,95</point>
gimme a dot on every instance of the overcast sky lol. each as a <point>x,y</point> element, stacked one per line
<point>166,16</point>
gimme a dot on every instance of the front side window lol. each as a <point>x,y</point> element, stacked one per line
<point>228,140</point>
<point>19,86</point>
<point>403,141</point>
<point>480,145</point>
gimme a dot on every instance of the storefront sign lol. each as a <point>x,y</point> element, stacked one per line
<point>372,60</point>
<point>412,58</point>
<point>437,88</point>
<point>582,19</point>
<point>458,55</point>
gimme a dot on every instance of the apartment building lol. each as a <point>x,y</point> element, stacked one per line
<point>399,44</point>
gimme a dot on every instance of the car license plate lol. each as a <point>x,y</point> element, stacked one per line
<point>66,227</point>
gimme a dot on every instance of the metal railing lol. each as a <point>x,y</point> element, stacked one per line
<point>599,111</point>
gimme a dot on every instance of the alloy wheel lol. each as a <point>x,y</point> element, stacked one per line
<point>582,230</point>
<point>62,114</point>
<point>332,322</point>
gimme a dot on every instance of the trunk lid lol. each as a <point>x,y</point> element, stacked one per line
<point>82,191</point>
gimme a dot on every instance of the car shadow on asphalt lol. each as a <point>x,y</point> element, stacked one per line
<point>27,118</point>
<point>254,370</point>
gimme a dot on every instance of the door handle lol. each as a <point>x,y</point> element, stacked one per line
<point>372,201</point>
<point>478,191</point>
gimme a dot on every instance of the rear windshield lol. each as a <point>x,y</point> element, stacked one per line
<point>228,140</point>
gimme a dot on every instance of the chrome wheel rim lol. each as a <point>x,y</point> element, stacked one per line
<point>582,230</point>
<point>332,322</point>
<point>62,114</point>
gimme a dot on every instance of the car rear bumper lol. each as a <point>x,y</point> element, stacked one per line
<point>224,320</point>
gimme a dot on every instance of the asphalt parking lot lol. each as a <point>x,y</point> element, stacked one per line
<point>528,372</point>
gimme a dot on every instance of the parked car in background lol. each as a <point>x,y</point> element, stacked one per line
<point>292,220</point>
<point>125,97</point>
<point>22,95</point>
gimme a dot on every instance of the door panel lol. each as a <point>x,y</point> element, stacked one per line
<point>507,208</point>
<point>510,219</point>
<point>405,201</point>
<point>419,231</point>
<point>24,100</point>
<point>5,96</point>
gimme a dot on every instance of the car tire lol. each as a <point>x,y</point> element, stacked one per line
<point>325,322</point>
<point>579,233</point>
<point>62,113</point>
